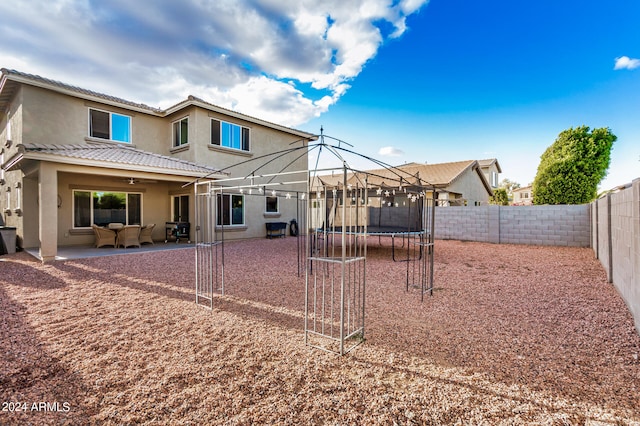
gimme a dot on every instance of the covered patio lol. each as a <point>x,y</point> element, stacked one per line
<point>66,189</point>
<point>90,251</point>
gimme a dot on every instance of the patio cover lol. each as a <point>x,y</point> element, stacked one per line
<point>114,156</point>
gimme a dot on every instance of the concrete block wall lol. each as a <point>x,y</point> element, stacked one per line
<point>462,223</point>
<point>565,225</point>
<point>617,243</point>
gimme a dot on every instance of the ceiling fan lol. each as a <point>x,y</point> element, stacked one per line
<point>133,181</point>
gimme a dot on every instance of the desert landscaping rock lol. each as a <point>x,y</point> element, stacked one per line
<point>511,335</point>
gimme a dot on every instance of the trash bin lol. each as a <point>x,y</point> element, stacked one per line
<point>7,239</point>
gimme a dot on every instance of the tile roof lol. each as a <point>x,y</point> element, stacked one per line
<point>57,84</point>
<point>488,162</point>
<point>121,156</point>
<point>440,175</point>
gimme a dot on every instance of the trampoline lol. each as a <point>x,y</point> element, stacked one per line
<point>376,231</point>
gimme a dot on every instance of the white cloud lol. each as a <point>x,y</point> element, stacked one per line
<point>390,151</point>
<point>625,62</point>
<point>282,60</point>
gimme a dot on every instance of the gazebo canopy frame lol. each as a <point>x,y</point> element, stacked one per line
<point>335,206</point>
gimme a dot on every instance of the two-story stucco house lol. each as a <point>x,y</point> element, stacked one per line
<point>71,158</point>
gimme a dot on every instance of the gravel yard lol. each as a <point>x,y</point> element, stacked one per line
<point>512,335</point>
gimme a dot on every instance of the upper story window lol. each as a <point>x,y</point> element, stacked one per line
<point>109,125</point>
<point>1,168</point>
<point>181,132</point>
<point>494,179</point>
<point>229,135</point>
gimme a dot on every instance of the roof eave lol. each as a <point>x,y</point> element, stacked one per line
<point>39,156</point>
<point>74,93</point>
<point>191,101</point>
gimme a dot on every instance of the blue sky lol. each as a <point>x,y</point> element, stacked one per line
<point>408,80</point>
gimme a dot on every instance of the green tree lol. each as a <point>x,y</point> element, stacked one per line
<point>499,197</point>
<point>572,167</point>
<point>509,185</point>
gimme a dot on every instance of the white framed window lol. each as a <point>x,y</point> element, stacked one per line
<point>494,179</point>
<point>8,127</point>
<point>230,135</point>
<point>7,206</point>
<point>18,198</point>
<point>230,209</point>
<point>181,132</point>
<point>271,204</point>
<point>2,168</point>
<point>104,207</point>
<point>109,125</point>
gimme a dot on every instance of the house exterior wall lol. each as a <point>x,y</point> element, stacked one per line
<point>471,186</point>
<point>56,118</point>
<point>522,196</point>
<point>489,173</point>
<point>11,125</point>
<point>52,118</point>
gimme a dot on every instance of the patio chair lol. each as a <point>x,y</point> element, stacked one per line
<point>104,236</point>
<point>145,234</point>
<point>129,236</point>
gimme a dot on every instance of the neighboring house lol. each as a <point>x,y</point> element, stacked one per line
<point>522,196</point>
<point>71,157</point>
<point>460,183</point>
<point>491,169</point>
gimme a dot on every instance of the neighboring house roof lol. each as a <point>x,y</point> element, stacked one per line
<point>444,174</point>
<point>111,156</point>
<point>440,175</point>
<point>11,79</point>
<point>488,162</point>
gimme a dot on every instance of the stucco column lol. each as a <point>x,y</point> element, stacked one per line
<point>48,211</point>
<point>493,226</point>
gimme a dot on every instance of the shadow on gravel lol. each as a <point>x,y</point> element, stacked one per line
<point>35,387</point>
